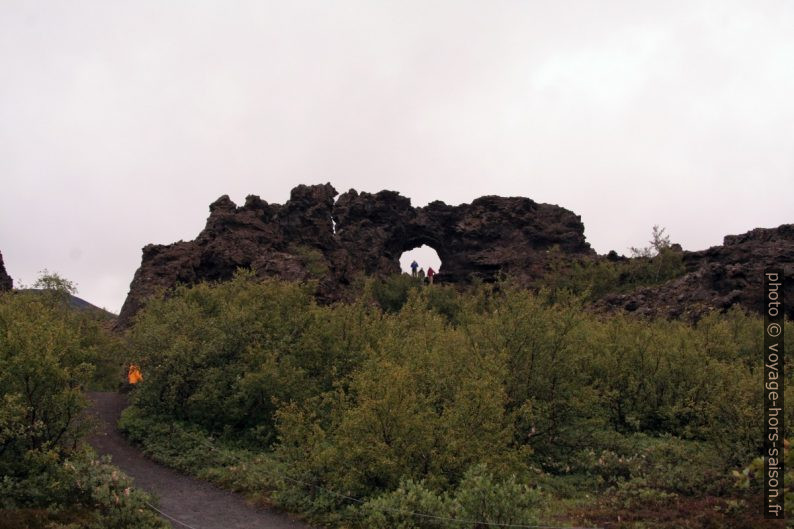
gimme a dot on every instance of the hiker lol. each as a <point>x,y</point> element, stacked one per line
<point>134,375</point>
<point>421,274</point>
<point>430,275</point>
<point>414,266</point>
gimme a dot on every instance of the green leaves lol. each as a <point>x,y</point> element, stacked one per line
<point>223,356</point>
<point>49,355</point>
<point>45,365</point>
<point>432,400</point>
<point>479,498</point>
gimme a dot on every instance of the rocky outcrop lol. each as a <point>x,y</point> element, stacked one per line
<point>313,237</point>
<point>719,277</point>
<point>490,235</point>
<point>6,283</point>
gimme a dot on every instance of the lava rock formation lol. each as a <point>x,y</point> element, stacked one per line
<point>313,237</point>
<point>719,277</point>
<point>6,283</point>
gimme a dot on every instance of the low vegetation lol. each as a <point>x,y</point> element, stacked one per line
<point>49,355</point>
<point>420,407</point>
<point>412,406</point>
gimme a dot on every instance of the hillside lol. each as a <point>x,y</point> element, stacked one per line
<point>81,304</point>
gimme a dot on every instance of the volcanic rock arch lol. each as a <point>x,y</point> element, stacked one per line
<point>313,237</point>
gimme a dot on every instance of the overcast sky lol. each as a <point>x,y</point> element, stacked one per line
<point>121,121</point>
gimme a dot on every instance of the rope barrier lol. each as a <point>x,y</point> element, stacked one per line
<point>183,524</point>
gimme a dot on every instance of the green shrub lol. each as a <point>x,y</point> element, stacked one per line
<point>392,292</point>
<point>49,355</point>
<point>312,260</point>
<point>479,499</point>
<point>223,356</point>
<point>412,392</point>
<point>45,364</point>
<point>79,491</point>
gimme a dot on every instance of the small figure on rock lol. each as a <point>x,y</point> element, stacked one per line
<point>430,275</point>
<point>421,274</point>
<point>414,266</point>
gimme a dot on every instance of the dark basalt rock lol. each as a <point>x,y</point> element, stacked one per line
<point>490,235</point>
<point>311,237</point>
<point>6,283</point>
<point>720,277</point>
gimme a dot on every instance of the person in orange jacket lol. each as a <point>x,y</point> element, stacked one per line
<point>134,375</point>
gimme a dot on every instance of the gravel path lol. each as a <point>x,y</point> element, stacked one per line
<point>194,503</point>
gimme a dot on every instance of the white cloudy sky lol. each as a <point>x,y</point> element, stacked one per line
<point>121,121</point>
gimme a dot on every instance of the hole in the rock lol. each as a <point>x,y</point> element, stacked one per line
<point>425,256</point>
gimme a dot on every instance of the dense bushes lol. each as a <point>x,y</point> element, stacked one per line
<point>409,397</point>
<point>226,357</point>
<point>49,355</point>
<point>47,358</point>
<point>478,498</point>
<point>71,492</point>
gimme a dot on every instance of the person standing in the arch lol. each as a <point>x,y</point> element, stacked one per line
<point>414,266</point>
<point>430,275</point>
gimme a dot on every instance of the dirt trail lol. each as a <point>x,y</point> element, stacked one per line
<point>195,503</point>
